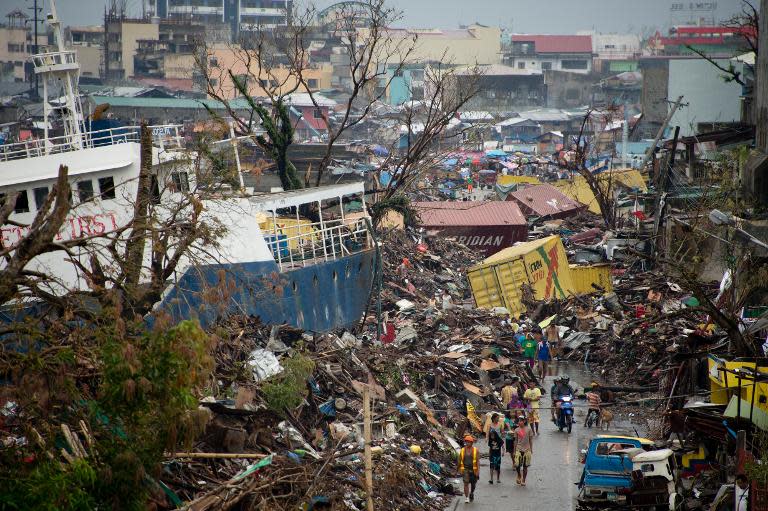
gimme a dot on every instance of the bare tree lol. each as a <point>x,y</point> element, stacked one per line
<point>375,57</point>
<point>746,25</point>
<point>575,160</point>
<point>430,127</point>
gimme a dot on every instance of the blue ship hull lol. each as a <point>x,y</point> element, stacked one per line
<point>317,298</point>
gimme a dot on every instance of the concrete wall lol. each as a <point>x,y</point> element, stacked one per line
<point>179,66</point>
<point>709,97</point>
<point>567,90</point>
<point>90,59</point>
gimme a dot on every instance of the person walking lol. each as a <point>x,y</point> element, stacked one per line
<point>508,391</point>
<point>532,397</point>
<point>552,334</point>
<point>495,438</point>
<point>529,350</point>
<point>543,353</point>
<point>509,427</point>
<point>523,450</point>
<point>469,467</point>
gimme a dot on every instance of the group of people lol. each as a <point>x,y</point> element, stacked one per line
<point>513,435</point>
<point>538,346</point>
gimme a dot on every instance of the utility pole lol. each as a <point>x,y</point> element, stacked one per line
<point>35,10</point>
<point>367,450</point>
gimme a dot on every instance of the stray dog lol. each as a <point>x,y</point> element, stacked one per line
<point>606,418</point>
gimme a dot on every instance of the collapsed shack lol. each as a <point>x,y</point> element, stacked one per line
<point>259,449</point>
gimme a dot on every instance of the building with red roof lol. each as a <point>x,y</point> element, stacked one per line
<point>543,52</point>
<point>484,226</point>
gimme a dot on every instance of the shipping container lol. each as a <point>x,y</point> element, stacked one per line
<point>541,264</point>
<point>485,227</point>
<point>583,278</point>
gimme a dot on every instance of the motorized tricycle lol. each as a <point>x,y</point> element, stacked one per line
<point>625,473</point>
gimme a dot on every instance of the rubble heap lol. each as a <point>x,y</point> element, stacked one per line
<point>442,357</point>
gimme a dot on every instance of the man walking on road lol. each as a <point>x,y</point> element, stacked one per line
<point>469,467</point>
<point>523,450</point>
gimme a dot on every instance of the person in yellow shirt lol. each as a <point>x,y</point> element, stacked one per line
<point>532,396</point>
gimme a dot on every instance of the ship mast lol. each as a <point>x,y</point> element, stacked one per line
<point>60,67</point>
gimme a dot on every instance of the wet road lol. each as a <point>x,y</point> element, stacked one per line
<point>555,468</point>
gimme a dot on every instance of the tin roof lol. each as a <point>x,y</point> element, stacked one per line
<point>470,213</point>
<point>544,200</point>
<point>557,43</point>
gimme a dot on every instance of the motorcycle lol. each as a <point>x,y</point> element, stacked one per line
<point>565,415</point>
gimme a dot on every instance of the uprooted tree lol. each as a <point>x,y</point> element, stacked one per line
<point>94,395</point>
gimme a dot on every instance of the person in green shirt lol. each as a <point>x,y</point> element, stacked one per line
<point>529,345</point>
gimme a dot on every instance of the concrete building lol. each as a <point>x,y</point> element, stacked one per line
<point>504,88</point>
<point>474,44</point>
<point>122,42</point>
<point>239,15</point>
<point>614,53</point>
<point>221,59</point>
<point>15,41</point>
<point>711,40</point>
<point>88,42</point>
<point>572,53</point>
<point>708,97</point>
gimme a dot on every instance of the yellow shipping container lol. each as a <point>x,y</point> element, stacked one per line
<point>584,276</point>
<point>542,264</point>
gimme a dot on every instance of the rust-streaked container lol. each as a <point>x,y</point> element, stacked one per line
<point>541,264</point>
<point>583,277</point>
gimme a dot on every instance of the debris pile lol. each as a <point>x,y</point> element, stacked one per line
<point>436,355</point>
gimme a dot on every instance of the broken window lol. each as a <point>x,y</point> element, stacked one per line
<point>85,190</point>
<point>40,194</point>
<point>22,202</point>
<point>107,187</point>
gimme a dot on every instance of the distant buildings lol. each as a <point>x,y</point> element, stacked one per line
<point>572,53</point>
<point>238,15</point>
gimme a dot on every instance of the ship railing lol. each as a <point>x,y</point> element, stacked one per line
<point>318,242</point>
<point>54,61</point>
<point>166,137</point>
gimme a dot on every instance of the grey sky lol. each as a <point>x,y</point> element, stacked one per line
<point>542,16</point>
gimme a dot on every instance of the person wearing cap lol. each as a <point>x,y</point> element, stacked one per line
<point>469,467</point>
<point>523,449</point>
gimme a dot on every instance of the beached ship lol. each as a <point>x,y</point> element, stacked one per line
<point>314,274</point>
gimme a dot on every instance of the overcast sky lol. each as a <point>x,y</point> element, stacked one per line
<point>531,16</point>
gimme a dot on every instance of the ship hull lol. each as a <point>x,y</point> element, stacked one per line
<point>317,298</point>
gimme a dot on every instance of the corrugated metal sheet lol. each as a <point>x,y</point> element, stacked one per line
<point>584,276</point>
<point>545,201</point>
<point>578,189</point>
<point>516,180</point>
<point>471,213</point>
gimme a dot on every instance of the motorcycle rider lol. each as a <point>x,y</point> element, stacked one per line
<point>562,388</point>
